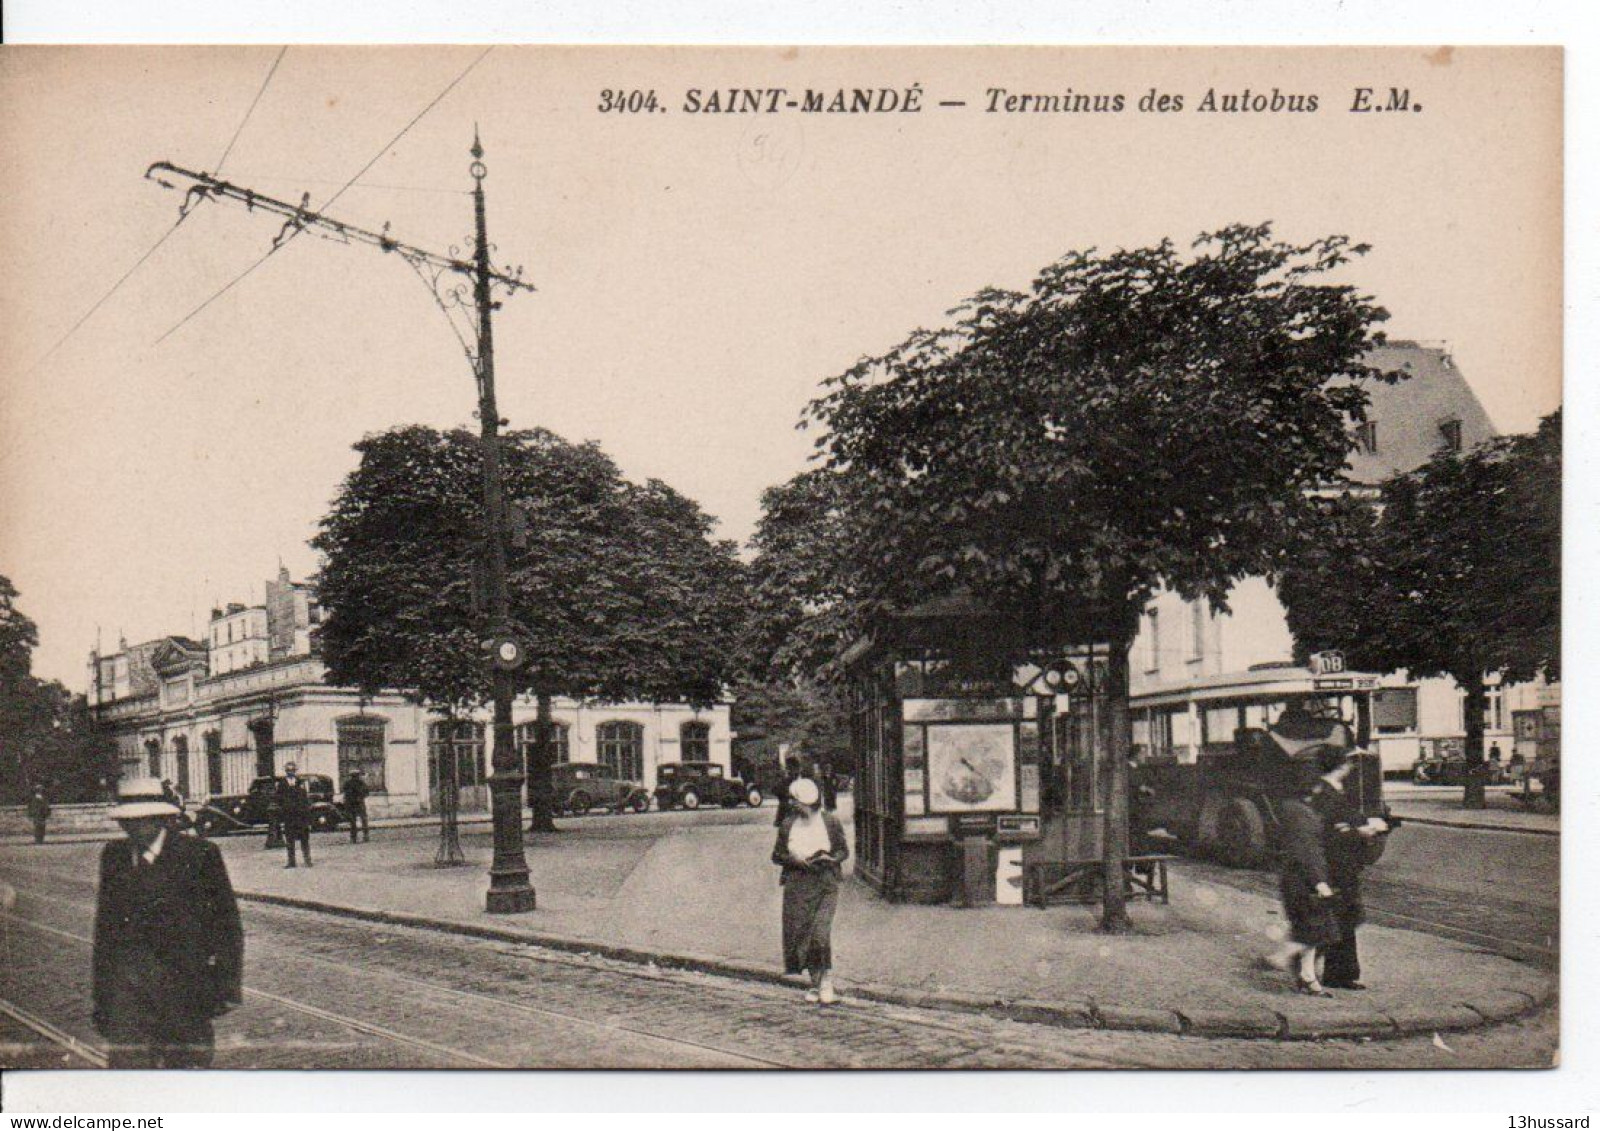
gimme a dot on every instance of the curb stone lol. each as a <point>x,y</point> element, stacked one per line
<point>1496,1005</point>
<point>1311,1028</point>
<point>1230,1023</point>
<point>1477,826</point>
<point>1426,1019</point>
<point>1501,1005</point>
<point>1133,1017</point>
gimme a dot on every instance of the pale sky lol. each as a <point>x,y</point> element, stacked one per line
<point>698,275</point>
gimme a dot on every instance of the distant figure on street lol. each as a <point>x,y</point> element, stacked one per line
<point>1497,770</point>
<point>168,944</point>
<point>293,802</point>
<point>355,806</point>
<point>1324,845</point>
<point>38,813</point>
<point>793,771</point>
<point>810,849</point>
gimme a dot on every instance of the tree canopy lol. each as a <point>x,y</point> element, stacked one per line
<point>620,589</point>
<point>46,735</point>
<point>1136,419</point>
<point>1455,570</point>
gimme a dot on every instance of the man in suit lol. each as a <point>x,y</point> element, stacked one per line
<point>168,945</point>
<point>38,813</point>
<point>355,805</point>
<point>293,802</point>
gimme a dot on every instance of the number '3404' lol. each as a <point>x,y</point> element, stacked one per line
<point>629,102</point>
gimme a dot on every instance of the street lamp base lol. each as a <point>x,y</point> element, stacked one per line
<point>514,898</point>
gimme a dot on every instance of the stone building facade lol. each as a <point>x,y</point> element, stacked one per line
<point>211,721</point>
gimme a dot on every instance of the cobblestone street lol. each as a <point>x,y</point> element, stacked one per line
<point>327,992</point>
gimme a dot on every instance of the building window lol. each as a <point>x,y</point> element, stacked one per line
<point>1367,437</point>
<point>1450,430</point>
<point>458,743</point>
<point>1494,716</point>
<point>180,752</point>
<point>152,756</point>
<point>213,744</point>
<point>361,748</point>
<point>1152,662</point>
<point>694,742</point>
<point>1197,629</point>
<point>1394,710</point>
<point>621,749</point>
<point>261,732</point>
<point>560,742</point>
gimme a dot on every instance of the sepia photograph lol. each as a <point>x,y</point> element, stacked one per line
<point>771,558</point>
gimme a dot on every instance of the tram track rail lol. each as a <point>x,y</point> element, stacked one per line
<point>368,973</point>
<point>278,953</point>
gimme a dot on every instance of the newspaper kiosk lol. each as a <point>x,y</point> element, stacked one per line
<point>980,746</point>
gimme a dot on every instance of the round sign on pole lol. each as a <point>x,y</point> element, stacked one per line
<point>506,652</point>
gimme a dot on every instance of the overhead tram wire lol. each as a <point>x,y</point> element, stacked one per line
<point>325,205</point>
<point>223,160</point>
<point>166,235</point>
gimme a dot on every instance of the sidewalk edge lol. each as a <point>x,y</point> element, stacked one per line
<point>1062,1014</point>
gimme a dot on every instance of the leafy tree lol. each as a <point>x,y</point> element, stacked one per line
<point>1137,419</point>
<point>47,736</point>
<point>1456,573</point>
<point>618,588</point>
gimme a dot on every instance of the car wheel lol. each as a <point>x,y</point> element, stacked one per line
<point>753,798</point>
<point>1241,834</point>
<point>580,803</point>
<point>641,803</point>
<point>690,799</point>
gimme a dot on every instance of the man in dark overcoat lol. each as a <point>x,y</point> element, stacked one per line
<point>38,813</point>
<point>168,944</point>
<point>355,806</point>
<point>293,803</point>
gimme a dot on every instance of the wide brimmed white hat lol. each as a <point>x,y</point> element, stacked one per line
<point>141,797</point>
<point>803,791</point>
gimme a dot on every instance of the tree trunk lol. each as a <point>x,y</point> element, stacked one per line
<point>1114,901</point>
<point>540,799</point>
<point>1472,795</point>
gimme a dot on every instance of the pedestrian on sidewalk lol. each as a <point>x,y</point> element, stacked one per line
<point>168,944</point>
<point>294,813</point>
<point>1347,839</point>
<point>811,849</point>
<point>1323,847</point>
<point>1307,893</point>
<point>38,813</point>
<point>355,805</point>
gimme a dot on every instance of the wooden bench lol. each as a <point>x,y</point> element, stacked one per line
<point>1145,877</point>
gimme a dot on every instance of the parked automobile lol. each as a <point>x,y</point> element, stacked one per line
<point>579,787</point>
<point>252,809</point>
<point>689,785</point>
<point>1452,770</point>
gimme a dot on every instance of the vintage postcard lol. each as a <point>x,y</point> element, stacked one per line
<point>780,558</point>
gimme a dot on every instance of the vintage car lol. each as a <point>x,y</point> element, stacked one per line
<point>1451,769</point>
<point>578,787</point>
<point>689,785</point>
<point>253,809</point>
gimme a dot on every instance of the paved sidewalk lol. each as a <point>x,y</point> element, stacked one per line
<point>699,892</point>
<point>1441,805</point>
